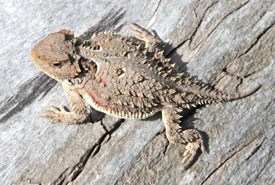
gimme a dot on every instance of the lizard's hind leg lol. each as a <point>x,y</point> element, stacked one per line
<point>174,133</point>
<point>150,37</point>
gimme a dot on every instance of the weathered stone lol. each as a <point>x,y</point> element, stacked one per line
<point>228,43</point>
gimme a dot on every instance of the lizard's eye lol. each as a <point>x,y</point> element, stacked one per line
<point>57,64</point>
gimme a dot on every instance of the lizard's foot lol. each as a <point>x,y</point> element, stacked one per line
<point>194,141</point>
<point>150,37</point>
<point>189,137</point>
<point>64,116</point>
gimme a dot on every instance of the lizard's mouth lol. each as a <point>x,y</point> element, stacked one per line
<point>34,58</point>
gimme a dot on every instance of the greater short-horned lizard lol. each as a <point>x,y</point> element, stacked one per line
<point>125,77</point>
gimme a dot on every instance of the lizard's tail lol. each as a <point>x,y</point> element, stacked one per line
<point>230,97</point>
<point>208,96</point>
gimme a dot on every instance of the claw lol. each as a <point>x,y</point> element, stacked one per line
<point>47,116</point>
<point>46,111</point>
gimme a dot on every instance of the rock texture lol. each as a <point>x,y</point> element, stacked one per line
<point>227,43</point>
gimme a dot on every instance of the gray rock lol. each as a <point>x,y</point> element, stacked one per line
<point>227,43</point>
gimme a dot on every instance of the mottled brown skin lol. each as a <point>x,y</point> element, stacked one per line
<point>125,77</point>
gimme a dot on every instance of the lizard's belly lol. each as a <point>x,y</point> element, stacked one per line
<point>117,109</point>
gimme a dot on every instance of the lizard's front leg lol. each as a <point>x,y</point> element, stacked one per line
<point>79,114</point>
<point>174,133</point>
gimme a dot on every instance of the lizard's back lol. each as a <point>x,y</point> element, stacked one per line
<point>128,81</point>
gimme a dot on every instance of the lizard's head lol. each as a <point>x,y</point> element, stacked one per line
<point>55,55</point>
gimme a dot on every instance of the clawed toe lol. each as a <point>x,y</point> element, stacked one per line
<point>64,116</point>
<point>137,29</point>
<point>55,114</point>
<point>140,32</point>
<point>150,37</point>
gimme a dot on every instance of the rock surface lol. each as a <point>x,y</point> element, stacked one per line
<point>227,43</point>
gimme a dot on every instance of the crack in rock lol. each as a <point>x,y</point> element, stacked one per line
<point>255,150</point>
<point>200,22</point>
<point>256,40</point>
<point>70,174</point>
<point>218,24</point>
<point>227,159</point>
<point>156,9</point>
